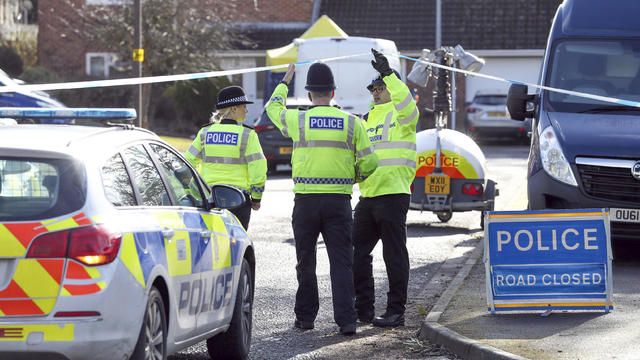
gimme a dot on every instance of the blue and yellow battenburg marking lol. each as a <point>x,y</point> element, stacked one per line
<point>186,252</point>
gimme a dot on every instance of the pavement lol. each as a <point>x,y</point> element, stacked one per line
<point>460,322</point>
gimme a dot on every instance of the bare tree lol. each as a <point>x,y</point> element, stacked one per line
<point>179,36</point>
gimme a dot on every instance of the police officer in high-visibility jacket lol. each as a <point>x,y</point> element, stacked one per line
<point>382,210</point>
<point>330,152</point>
<point>226,153</point>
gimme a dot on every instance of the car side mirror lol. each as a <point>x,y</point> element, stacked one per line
<point>517,102</point>
<point>226,197</point>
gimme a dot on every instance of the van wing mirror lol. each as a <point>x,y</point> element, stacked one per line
<point>517,102</point>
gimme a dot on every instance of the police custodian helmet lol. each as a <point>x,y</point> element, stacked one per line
<point>320,78</point>
<point>230,96</point>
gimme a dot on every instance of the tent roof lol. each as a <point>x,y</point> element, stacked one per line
<point>323,27</point>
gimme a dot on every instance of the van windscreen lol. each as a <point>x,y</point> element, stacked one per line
<point>602,67</point>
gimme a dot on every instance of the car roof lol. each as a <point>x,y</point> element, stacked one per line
<point>74,140</point>
<point>489,92</point>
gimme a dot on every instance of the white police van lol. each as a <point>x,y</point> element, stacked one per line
<point>113,247</point>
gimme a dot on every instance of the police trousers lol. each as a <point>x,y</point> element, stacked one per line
<point>329,215</point>
<point>381,217</point>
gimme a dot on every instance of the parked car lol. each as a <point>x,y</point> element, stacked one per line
<point>487,117</point>
<point>28,98</point>
<point>113,247</point>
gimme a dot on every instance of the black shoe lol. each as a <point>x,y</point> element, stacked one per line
<point>388,320</point>
<point>303,325</point>
<point>365,319</point>
<point>348,329</point>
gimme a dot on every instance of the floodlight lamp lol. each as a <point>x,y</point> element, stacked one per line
<point>468,61</point>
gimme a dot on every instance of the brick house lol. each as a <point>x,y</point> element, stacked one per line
<point>509,34</point>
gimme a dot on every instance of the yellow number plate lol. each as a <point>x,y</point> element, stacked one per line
<point>437,184</point>
<point>286,150</point>
<point>497,114</point>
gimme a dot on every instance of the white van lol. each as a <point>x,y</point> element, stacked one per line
<point>351,75</point>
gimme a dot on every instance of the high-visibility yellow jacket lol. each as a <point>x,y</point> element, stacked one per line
<point>227,153</point>
<point>392,131</point>
<point>330,146</point>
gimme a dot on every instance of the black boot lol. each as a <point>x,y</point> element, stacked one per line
<point>388,320</point>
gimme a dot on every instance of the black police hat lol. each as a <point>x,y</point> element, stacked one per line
<point>230,96</point>
<point>320,78</point>
<point>378,80</point>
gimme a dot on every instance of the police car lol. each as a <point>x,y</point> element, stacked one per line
<point>113,247</point>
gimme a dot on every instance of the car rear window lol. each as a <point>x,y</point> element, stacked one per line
<point>263,120</point>
<point>491,100</point>
<point>32,189</point>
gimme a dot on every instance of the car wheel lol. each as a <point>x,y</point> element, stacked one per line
<point>152,341</point>
<point>444,216</point>
<point>236,341</point>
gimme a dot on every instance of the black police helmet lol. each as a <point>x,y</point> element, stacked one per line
<point>320,78</point>
<point>230,96</point>
<point>378,80</point>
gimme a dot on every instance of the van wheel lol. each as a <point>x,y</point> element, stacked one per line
<point>236,341</point>
<point>152,341</point>
<point>444,216</point>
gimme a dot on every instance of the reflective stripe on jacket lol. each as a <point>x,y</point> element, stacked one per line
<point>229,154</point>
<point>392,131</point>
<point>330,147</point>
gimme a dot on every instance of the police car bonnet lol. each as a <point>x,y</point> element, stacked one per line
<point>230,96</point>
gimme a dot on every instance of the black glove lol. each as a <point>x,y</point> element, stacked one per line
<point>381,64</point>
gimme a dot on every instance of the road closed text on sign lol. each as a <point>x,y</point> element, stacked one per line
<point>548,260</point>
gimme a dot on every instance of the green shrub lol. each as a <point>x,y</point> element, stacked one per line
<point>195,100</point>
<point>10,61</point>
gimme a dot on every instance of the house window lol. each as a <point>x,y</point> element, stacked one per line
<point>98,64</point>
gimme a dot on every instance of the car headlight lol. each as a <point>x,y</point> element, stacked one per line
<point>553,160</point>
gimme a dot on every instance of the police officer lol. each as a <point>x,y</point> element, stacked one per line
<point>330,150</point>
<point>382,210</point>
<point>226,153</point>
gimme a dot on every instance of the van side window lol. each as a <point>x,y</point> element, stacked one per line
<point>116,183</point>
<point>146,178</point>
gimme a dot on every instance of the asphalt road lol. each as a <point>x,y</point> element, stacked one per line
<point>430,244</point>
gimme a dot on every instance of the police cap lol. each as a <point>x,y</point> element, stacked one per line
<point>378,80</point>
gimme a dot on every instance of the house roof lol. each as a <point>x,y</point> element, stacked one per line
<point>474,24</point>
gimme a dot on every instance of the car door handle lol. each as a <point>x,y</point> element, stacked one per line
<point>168,234</point>
<point>205,235</point>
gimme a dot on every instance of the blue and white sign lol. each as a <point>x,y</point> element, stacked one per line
<point>221,138</point>
<point>545,260</point>
<point>326,122</point>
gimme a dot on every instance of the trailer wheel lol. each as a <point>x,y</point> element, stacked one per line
<point>444,216</point>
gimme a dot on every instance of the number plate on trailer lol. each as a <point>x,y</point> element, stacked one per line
<point>437,184</point>
<point>286,150</point>
<point>625,215</point>
<point>497,114</point>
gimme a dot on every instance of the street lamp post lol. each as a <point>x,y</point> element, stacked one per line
<point>138,53</point>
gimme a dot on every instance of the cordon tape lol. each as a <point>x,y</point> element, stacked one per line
<point>209,74</point>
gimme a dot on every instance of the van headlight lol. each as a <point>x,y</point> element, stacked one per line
<point>553,160</point>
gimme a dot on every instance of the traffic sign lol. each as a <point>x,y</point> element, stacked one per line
<point>547,260</point>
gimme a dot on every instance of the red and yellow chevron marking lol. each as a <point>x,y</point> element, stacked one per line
<point>80,272</point>
<point>33,278</point>
<point>53,332</point>
<point>76,271</point>
<point>452,164</point>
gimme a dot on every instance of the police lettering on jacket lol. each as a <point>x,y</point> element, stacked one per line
<point>326,122</point>
<point>221,138</point>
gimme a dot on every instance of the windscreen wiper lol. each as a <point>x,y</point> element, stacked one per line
<point>610,108</point>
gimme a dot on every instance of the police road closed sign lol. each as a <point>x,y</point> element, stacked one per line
<point>547,260</point>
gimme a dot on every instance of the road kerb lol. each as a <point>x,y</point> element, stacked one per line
<point>458,344</point>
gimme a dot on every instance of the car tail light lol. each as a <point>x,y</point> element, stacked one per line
<point>50,245</point>
<point>76,313</point>
<point>260,128</point>
<point>473,128</point>
<point>472,189</point>
<point>90,245</point>
<point>472,109</point>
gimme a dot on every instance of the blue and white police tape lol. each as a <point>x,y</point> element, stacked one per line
<point>208,74</point>
<point>156,79</point>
